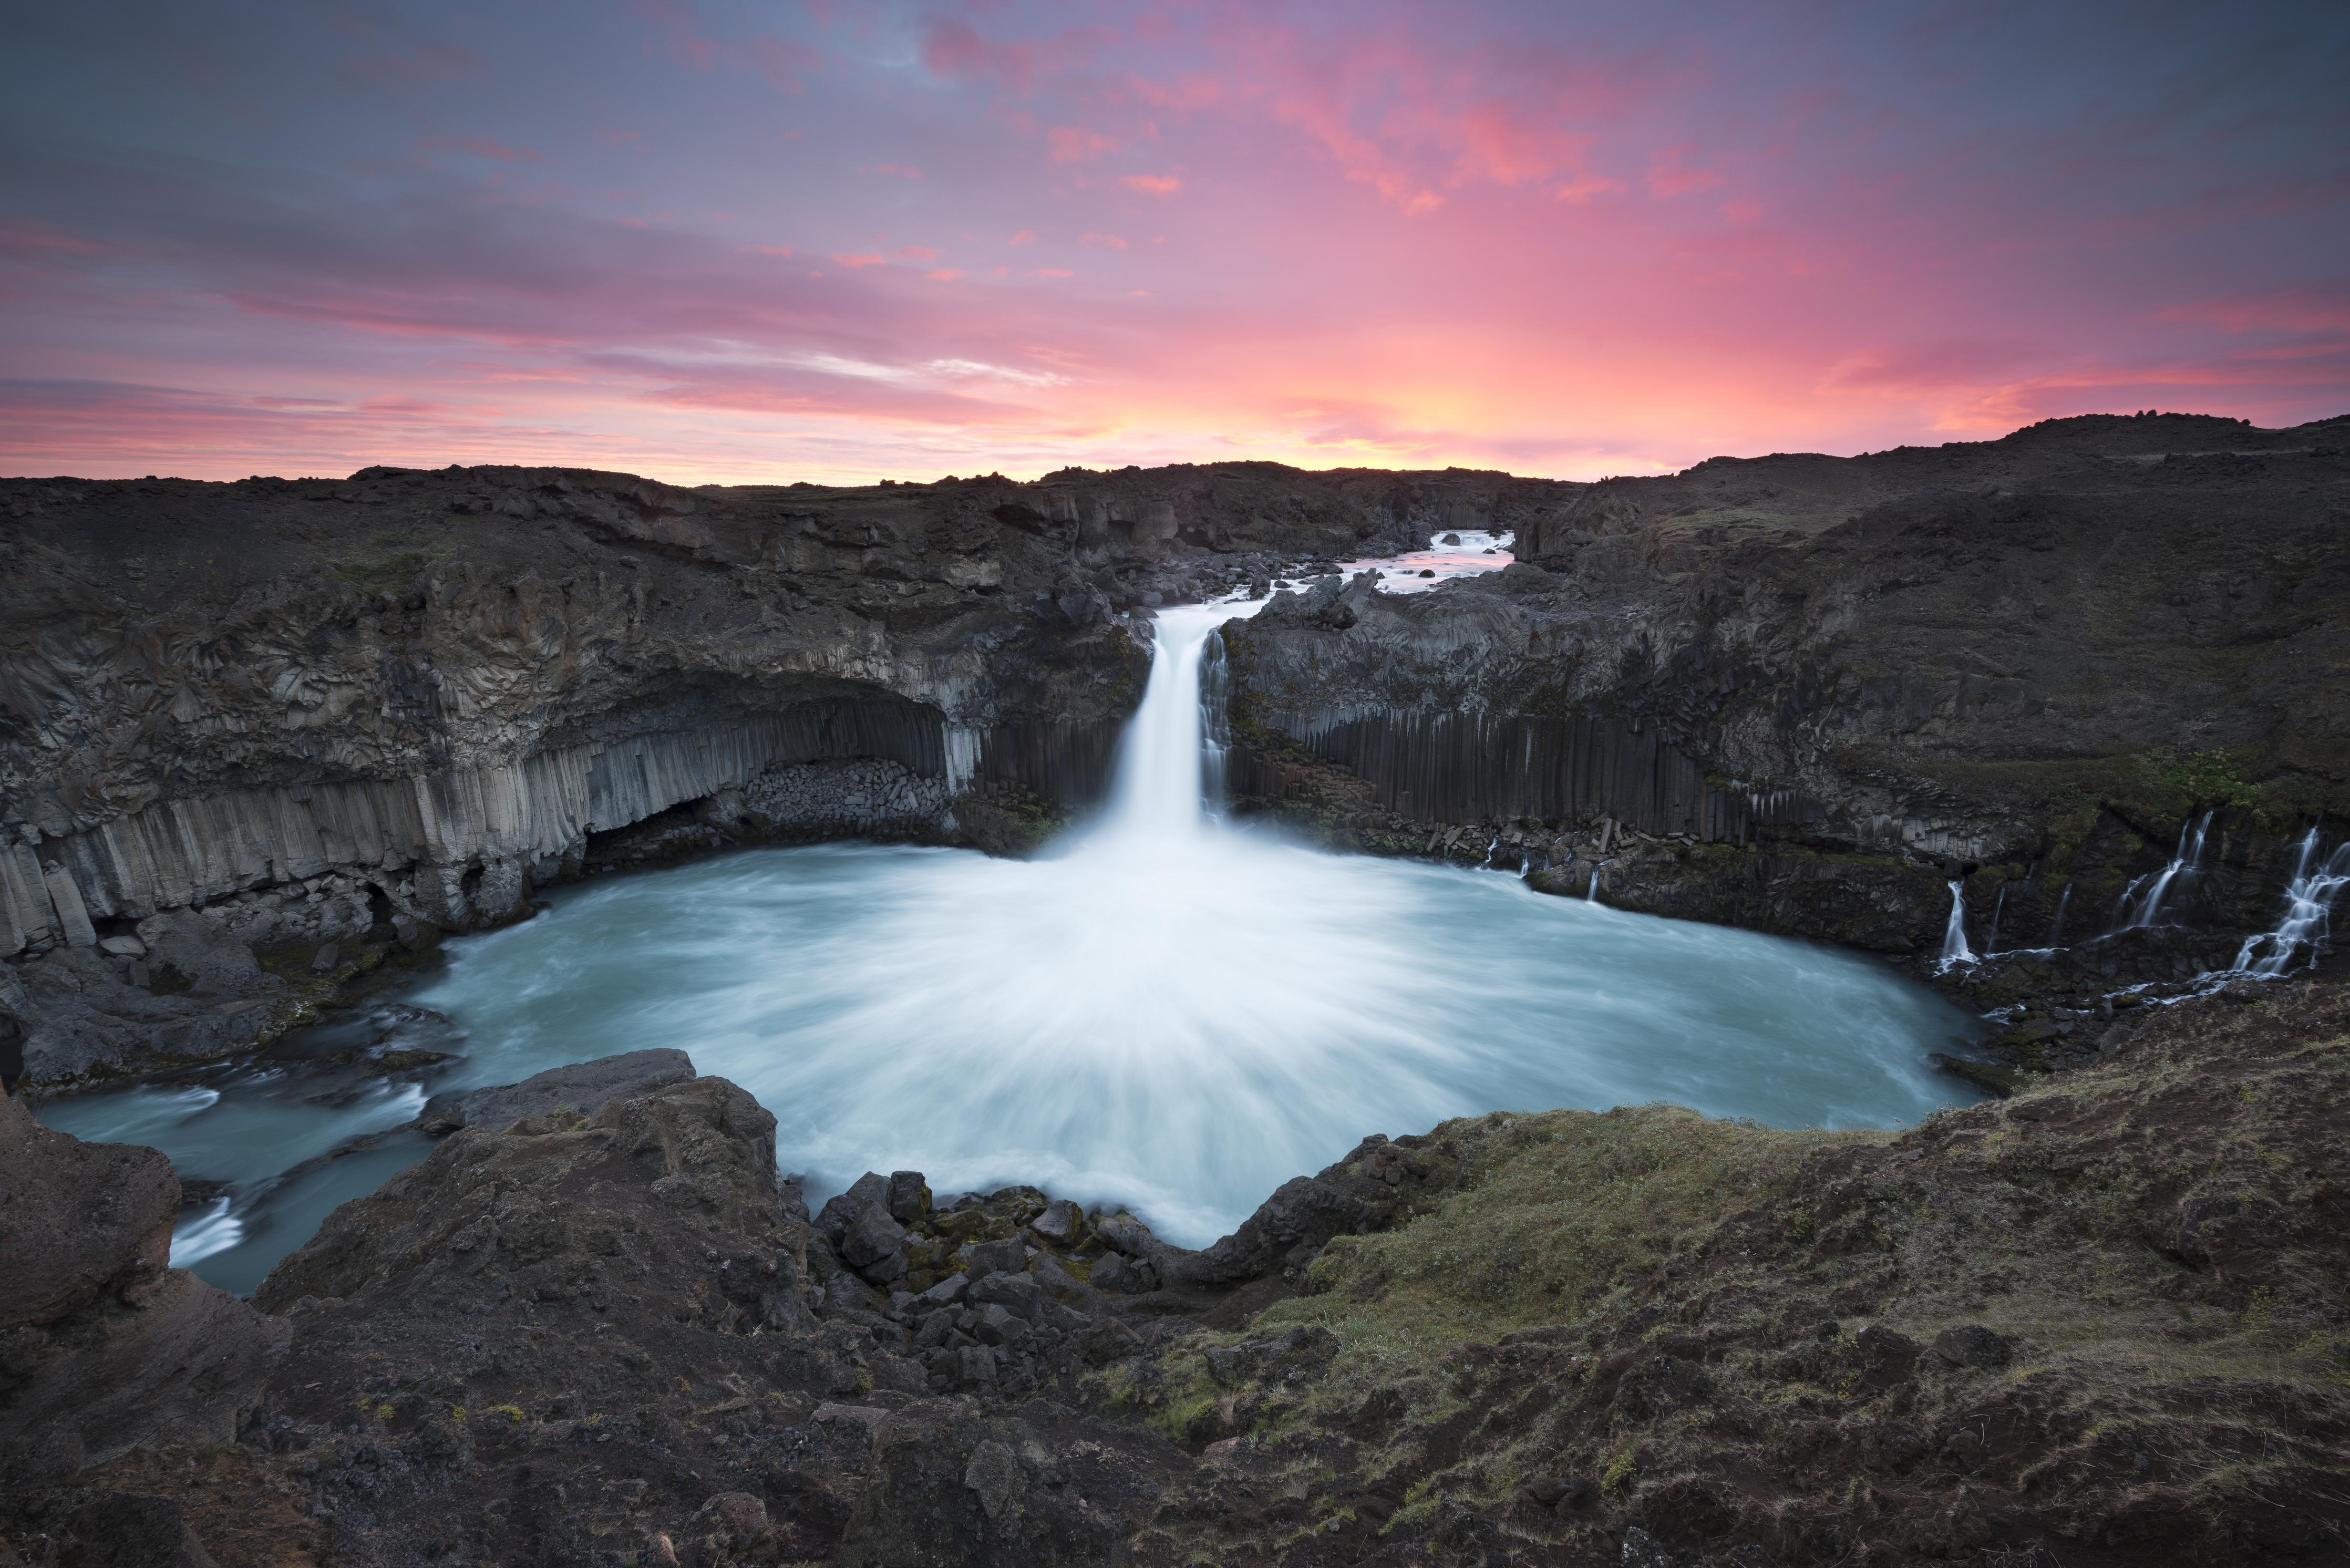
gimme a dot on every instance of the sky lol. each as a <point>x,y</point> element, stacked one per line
<point>718,241</point>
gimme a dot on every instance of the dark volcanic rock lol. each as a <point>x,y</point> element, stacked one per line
<point>102,1344</point>
<point>582,1088</point>
<point>1803,693</point>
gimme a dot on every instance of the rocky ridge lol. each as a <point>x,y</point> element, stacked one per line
<point>2101,1320</point>
<point>340,717</point>
<point>1806,694</point>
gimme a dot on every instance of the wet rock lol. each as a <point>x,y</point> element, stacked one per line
<point>1062,1223</point>
<point>910,1196</point>
<point>1127,1234</point>
<point>580,1089</point>
<point>840,1210</point>
<point>1125,1275</point>
<point>871,1238</point>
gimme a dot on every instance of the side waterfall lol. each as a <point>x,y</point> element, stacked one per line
<point>2186,859</point>
<point>1954,935</point>
<point>2309,909</point>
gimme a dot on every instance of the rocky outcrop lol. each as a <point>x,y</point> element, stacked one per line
<point>579,1089</point>
<point>103,1345</point>
<point>1548,1339</point>
<point>337,714</point>
<point>1806,693</point>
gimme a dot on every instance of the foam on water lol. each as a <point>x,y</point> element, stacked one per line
<point>1171,1013</point>
<point>1174,1014</point>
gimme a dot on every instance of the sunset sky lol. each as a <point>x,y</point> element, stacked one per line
<point>826,241</point>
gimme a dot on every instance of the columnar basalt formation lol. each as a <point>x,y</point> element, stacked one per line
<point>1806,693</point>
<point>335,714</point>
<point>1797,692</point>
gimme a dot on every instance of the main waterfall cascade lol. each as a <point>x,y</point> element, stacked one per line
<point>1172,1012</point>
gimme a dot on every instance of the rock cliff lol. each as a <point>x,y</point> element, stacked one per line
<point>103,1345</point>
<point>1806,693</point>
<point>335,714</point>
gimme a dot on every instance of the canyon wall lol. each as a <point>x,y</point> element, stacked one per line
<point>330,714</point>
<point>2029,665</point>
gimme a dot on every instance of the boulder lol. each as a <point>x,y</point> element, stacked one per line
<point>583,1088</point>
<point>980,1258</point>
<point>1016,1293</point>
<point>908,1197</point>
<point>871,1238</point>
<point>103,1345</point>
<point>835,1218</point>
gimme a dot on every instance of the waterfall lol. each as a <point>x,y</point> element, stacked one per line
<point>2056,926</point>
<point>1172,754</point>
<point>1954,935</point>
<point>2186,859</point>
<point>2309,908</point>
<point>1991,939</point>
<point>1215,726</point>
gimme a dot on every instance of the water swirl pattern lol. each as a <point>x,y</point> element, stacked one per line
<point>1171,1013</point>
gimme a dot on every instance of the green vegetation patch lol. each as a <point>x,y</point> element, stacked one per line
<point>1555,1214</point>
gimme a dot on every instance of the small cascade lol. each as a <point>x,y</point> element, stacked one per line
<point>1954,935</point>
<point>2309,909</point>
<point>1215,726</point>
<point>1490,850</point>
<point>2184,861</point>
<point>1591,890</point>
<point>2056,926</point>
<point>1991,939</point>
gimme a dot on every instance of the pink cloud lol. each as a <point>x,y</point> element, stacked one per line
<point>1152,185</point>
<point>861,260</point>
<point>943,275</point>
<point>1107,242</point>
<point>917,252</point>
<point>1050,272</point>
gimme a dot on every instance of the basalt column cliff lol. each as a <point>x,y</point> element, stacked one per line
<point>256,737</point>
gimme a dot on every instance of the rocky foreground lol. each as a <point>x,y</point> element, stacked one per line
<point>2100,1323</point>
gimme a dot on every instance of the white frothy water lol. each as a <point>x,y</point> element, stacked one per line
<point>1172,1013</point>
<point>2309,909</point>
<point>1954,931</point>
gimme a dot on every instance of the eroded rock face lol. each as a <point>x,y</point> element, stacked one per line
<point>103,1345</point>
<point>1804,694</point>
<point>338,717</point>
